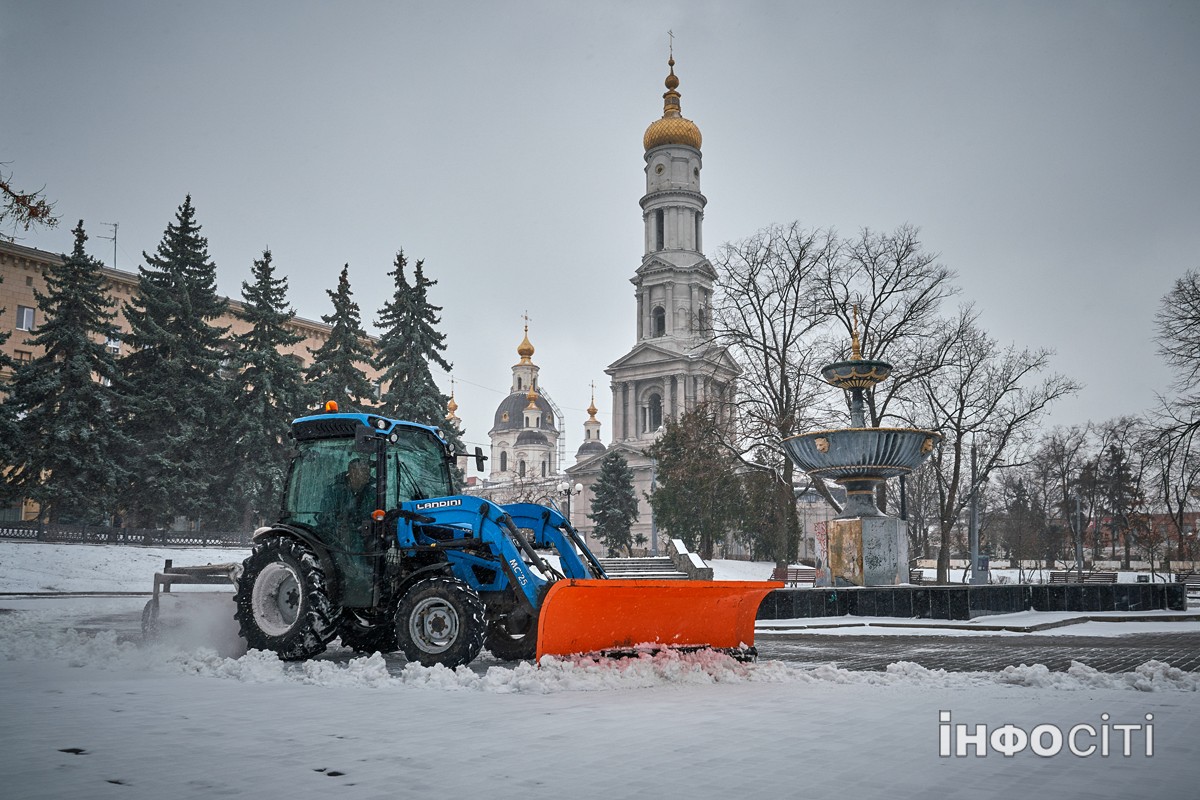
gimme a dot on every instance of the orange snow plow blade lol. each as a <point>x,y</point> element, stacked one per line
<point>585,616</point>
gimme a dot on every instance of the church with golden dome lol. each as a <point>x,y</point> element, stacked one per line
<point>524,433</point>
<point>671,367</point>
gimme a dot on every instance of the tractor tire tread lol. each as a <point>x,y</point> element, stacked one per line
<point>316,625</point>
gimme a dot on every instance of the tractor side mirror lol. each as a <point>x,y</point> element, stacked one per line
<point>364,439</point>
<point>479,459</point>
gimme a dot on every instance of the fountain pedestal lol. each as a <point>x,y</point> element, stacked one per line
<point>868,551</point>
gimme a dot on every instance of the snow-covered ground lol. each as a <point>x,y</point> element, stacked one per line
<point>91,712</point>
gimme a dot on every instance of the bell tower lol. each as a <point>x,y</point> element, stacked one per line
<point>671,367</point>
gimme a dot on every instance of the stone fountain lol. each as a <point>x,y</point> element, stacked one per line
<point>865,546</point>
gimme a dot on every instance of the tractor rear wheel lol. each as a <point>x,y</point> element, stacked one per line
<point>513,637</point>
<point>367,630</point>
<point>440,621</point>
<point>283,602</point>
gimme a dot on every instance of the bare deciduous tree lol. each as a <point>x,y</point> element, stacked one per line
<point>895,289</point>
<point>1173,451</point>
<point>985,397</point>
<point>767,314</point>
<point>23,209</point>
<point>1058,463</point>
<point>1178,322</point>
<point>1174,448</point>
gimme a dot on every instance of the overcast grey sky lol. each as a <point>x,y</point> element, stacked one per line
<point>1047,151</point>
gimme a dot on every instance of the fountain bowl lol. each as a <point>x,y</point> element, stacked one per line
<point>856,374</point>
<point>861,454</point>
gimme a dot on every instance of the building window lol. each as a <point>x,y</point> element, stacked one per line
<point>24,318</point>
<point>658,321</point>
<point>660,229</point>
<point>113,345</point>
<point>521,468</point>
<point>23,356</point>
<point>503,461</point>
<point>543,469</point>
<point>519,387</point>
<point>654,414</point>
<point>11,513</point>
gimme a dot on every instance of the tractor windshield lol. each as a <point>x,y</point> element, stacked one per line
<point>417,467</point>
<point>332,485</point>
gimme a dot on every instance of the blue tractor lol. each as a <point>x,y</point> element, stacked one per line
<point>373,546</point>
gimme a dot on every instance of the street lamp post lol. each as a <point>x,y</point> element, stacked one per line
<point>568,491</point>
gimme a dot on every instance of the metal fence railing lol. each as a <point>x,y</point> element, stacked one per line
<point>95,534</point>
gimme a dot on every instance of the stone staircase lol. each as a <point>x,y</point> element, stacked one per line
<point>654,567</point>
<point>658,567</point>
<point>679,564</point>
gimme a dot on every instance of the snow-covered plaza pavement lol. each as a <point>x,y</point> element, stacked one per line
<point>91,712</point>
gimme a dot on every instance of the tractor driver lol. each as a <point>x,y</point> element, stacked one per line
<point>351,499</point>
<point>348,504</point>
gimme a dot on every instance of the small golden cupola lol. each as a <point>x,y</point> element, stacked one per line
<point>591,432</point>
<point>452,406</point>
<point>525,348</point>
<point>673,128</point>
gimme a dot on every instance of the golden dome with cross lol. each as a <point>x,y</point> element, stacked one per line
<point>673,128</point>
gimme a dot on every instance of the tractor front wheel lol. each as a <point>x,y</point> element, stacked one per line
<point>283,602</point>
<point>513,637</point>
<point>440,621</point>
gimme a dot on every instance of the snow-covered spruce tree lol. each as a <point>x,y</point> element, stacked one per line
<point>66,437</point>
<point>172,388</point>
<point>409,342</point>
<point>267,392</point>
<point>335,373</point>
<point>8,420</point>
<point>614,505</point>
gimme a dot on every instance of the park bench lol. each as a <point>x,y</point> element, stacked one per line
<point>1190,580</point>
<point>1071,576</point>
<point>795,576</point>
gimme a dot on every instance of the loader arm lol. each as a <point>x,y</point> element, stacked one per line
<point>482,537</point>
<point>551,529</point>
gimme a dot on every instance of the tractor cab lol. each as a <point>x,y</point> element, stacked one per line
<point>348,466</point>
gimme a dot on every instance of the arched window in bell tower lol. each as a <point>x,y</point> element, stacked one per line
<point>660,230</point>
<point>653,414</point>
<point>503,461</point>
<point>658,321</point>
